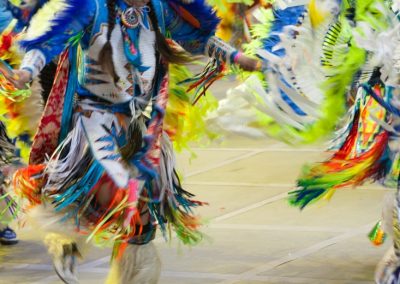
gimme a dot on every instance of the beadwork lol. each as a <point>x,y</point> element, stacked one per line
<point>130,18</point>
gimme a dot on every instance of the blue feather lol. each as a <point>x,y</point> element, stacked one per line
<point>77,11</point>
<point>283,18</point>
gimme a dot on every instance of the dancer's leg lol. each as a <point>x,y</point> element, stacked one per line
<point>64,245</point>
<point>388,269</point>
<point>138,264</point>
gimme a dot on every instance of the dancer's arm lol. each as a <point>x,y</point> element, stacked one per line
<point>45,40</point>
<point>196,35</point>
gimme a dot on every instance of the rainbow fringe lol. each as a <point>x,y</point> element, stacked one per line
<point>19,109</point>
<point>27,183</point>
<point>363,155</point>
<point>377,236</point>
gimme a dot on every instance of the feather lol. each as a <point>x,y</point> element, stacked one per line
<point>54,18</point>
<point>185,122</point>
<point>305,96</point>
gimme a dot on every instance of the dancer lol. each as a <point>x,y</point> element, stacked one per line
<point>322,64</point>
<point>7,235</point>
<point>367,145</point>
<point>20,116</point>
<point>111,172</point>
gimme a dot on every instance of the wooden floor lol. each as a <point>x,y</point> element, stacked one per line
<point>254,236</point>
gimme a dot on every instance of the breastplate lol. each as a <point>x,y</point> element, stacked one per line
<point>101,84</point>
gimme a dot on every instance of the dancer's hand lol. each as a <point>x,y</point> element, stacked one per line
<point>248,63</point>
<point>21,79</point>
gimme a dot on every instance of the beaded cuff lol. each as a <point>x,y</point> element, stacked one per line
<point>34,61</point>
<point>220,50</point>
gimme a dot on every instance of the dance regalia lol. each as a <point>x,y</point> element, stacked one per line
<point>108,136</point>
<point>19,113</point>
<point>302,93</point>
<point>366,149</point>
<point>362,43</point>
<point>20,109</point>
<point>362,146</point>
<point>237,19</point>
<point>313,61</point>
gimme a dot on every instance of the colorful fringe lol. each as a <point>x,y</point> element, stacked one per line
<point>27,183</point>
<point>303,96</point>
<point>10,57</point>
<point>20,110</point>
<point>10,208</point>
<point>185,122</point>
<point>339,74</point>
<point>201,82</point>
<point>71,183</point>
<point>377,236</point>
<point>291,105</point>
<point>363,155</point>
<point>170,205</point>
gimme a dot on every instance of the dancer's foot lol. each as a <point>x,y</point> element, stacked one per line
<point>8,237</point>
<point>388,269</point>
<point>65,264</point>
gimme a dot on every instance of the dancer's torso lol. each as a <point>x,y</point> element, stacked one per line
<point>132,82</point>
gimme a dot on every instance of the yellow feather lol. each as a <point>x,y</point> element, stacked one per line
<point>317,16</point>
<point>42,21</point>
<point>226,13</point>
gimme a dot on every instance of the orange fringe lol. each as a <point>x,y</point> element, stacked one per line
<point>27,183</point>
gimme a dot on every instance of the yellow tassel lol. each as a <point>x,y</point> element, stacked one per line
<point>317,16</point>
<point>226,13</point>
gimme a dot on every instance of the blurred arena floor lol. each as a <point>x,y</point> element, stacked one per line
<point>253,235</point>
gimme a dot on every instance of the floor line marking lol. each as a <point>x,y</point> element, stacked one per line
<point>223,163</point>
<point>217,219</point>
<point>93,264</point>
<point>251,207</point>
<point>264,149</point>
<point>281,185</point>
<point>278,228</point>
<point>204,275</point>
<point>299,254</point>
<point>240,184</point>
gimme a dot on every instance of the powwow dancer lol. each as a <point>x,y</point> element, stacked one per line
<point>7,235</point>
<point>111,171</point>
<point>19,115</point>
<point>291,102</point>
<point>317,63</point>
<point>367,145</point>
